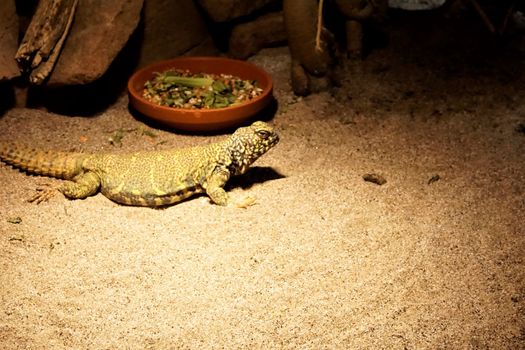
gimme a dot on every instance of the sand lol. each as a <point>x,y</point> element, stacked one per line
<point>432,259</point>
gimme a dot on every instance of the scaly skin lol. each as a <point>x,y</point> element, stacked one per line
<point>151,179</point>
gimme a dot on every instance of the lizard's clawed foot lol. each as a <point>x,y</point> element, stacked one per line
<point>44,192</point>
<point>247,202</point>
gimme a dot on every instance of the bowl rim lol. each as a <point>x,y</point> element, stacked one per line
<point>145,70</point>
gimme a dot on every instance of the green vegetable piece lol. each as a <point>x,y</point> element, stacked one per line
<point>188,81</point>
<point>209,99</point>
<point>218,86</point>
<point>118,135</point>
<point>231,99</point>
<point>148,133</point>
<point>178,102</point>
<point>221,101</point>
<point>14,220</point>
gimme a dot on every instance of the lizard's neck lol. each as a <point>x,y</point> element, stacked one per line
<point>241,156</point>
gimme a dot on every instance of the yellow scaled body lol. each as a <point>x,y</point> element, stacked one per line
<point>152,179</point>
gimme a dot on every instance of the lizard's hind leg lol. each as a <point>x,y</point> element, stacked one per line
<point>82,186</point>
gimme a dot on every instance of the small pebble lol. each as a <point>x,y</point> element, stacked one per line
<point>374,178</point>
<point>433,179</point>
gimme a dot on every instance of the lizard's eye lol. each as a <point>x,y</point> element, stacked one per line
<point>263,133</point>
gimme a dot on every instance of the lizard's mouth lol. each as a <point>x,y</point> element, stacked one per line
<point>275,140</point>
<point>266,145</point>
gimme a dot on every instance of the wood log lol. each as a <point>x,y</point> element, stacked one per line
<point>40,73</point>
<point>44,37</point>
<point>354,38</point>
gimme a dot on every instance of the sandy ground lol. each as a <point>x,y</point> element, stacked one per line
<point>323,259</point>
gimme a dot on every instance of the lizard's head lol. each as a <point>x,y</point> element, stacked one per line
<point>249,143</point>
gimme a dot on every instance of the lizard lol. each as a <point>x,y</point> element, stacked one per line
<point>147,178</point>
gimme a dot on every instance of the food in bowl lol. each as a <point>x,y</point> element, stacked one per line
<point>182,89</point>
<point>204,119</point>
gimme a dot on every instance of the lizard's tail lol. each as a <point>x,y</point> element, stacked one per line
<point>62,165</point>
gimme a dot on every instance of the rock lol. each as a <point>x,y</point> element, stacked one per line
<point>170,29</point>
<point>226,10</point>
<point>8,40</point>
<point>100,30</point>
<point>248,38</point>
<point>414,5</point>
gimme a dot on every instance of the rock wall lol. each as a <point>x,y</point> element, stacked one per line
<point>170,29</point>
<point>100,29</point>
<point>227,10</point>
<point>8,40</point>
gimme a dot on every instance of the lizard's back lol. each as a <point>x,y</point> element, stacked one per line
<point>154,178</point>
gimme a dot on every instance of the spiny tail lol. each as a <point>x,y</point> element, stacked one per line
<point>62,165</point>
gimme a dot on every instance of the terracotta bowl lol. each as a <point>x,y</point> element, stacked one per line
<point>201,119</point>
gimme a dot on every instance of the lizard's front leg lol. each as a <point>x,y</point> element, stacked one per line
<point>214,186</point>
